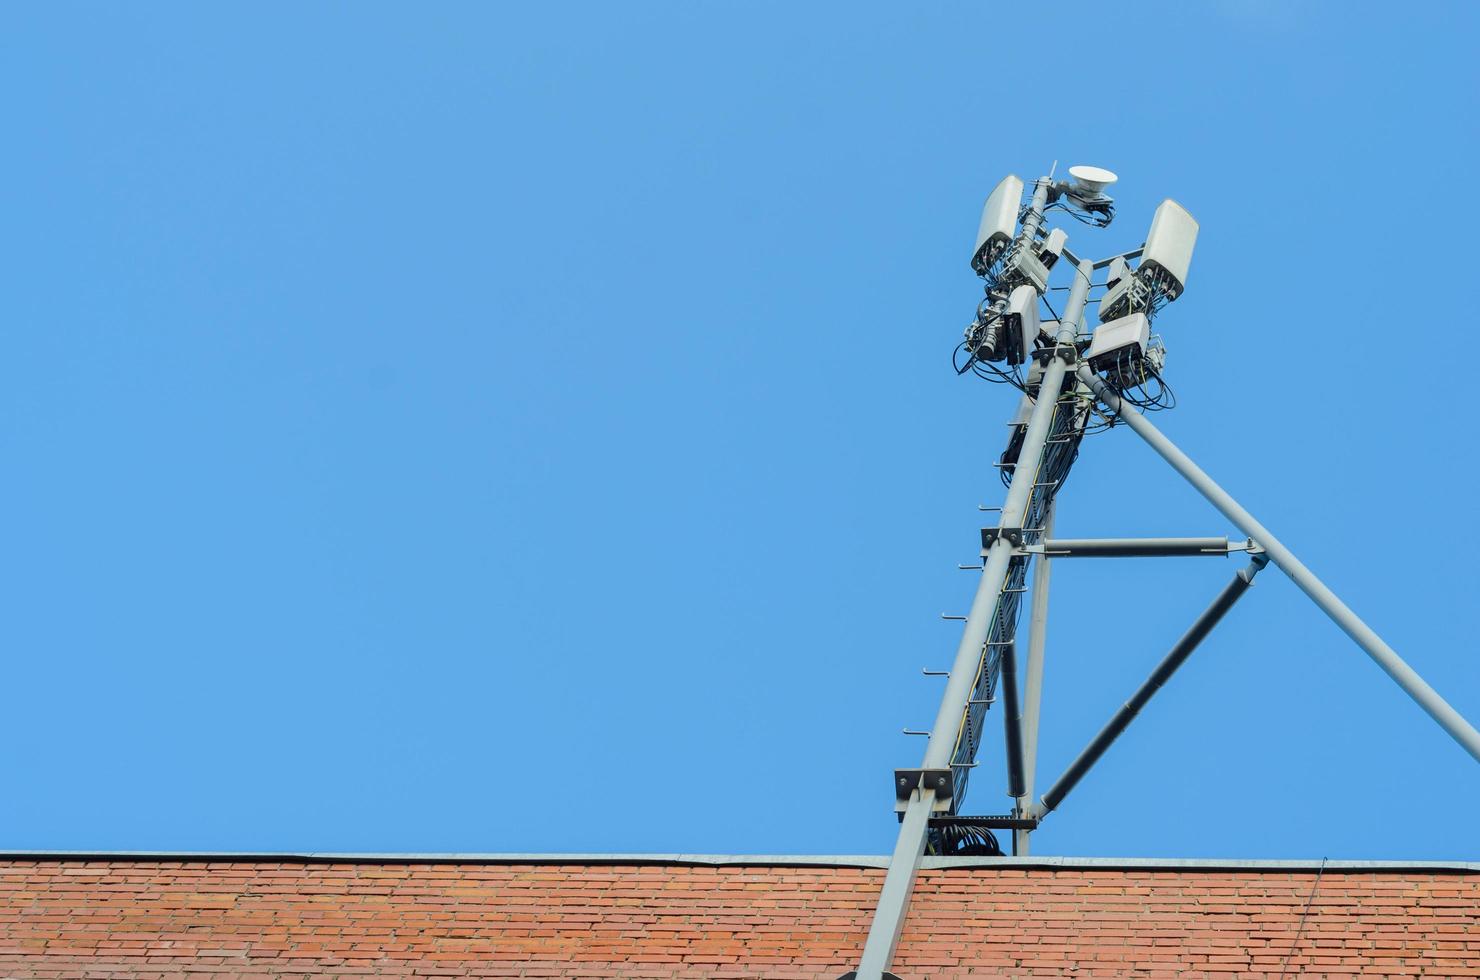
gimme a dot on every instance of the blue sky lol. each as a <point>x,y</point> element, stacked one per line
<point>530,428</point>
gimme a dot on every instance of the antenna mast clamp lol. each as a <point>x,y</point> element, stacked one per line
<point>1013,536</point>
<point>906,781</point>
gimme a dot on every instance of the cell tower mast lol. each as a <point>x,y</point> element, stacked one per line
<point>1074,382</point>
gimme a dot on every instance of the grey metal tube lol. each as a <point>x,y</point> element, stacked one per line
<point>1012,721</point>
<point>1074,306</point>
<point>888,918</point>
<point>1134,547</point>
<point>964,668</point>
<point>1406,677</point>
<point>899,883</point>
<point>1033,220</point>
<point>1033,681</point>
<point>994,568</point>
<point>1195,634</point>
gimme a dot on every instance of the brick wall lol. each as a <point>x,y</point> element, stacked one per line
<point>266,918</point>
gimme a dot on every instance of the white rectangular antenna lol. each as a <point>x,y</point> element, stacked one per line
<point>999,221</point>
<point>1169,243</point>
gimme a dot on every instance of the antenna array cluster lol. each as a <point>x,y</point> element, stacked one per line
<point>1075,380</point>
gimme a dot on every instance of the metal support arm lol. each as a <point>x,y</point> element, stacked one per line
<point>1406,677</point>
<point>1176,658</point>
<point>1138,547</point>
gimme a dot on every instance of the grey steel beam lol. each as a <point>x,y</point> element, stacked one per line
<point>1199,630</point>
<point>1363,635</point>
<point>1033,679</point>
<point>1012,721</point>
<point>888,920</point>
<point>989,587</point>
<point>1138,547</point>
<point>994,568</point>
<point>899,884</point>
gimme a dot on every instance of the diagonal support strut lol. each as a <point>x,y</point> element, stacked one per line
<point>1189,642</point>
<point>1386,657</point>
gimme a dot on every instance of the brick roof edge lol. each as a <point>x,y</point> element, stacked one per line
<point>755,860</point>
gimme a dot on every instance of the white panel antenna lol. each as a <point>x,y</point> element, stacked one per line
<point>999,222</point>
<point>1162,275</point>
<point>1169,244</point>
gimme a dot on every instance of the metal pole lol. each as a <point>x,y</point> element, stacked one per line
<point>1012,722</point>
<point>1428,699</point>
<point>1033,682</point>
<point>899,884</point>
<point>1195,634</point>
<point>989,588</point>
<point>888,919</point>
<point>994,568</point>
<point>1074,305</point>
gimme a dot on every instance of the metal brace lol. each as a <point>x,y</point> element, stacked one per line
<point>1007,821</point>
<point>1013,535</point>
<point>906,781</point>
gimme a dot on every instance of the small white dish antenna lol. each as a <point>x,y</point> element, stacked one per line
<point>1091,181</point>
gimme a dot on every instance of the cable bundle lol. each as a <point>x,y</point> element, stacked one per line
<point>963,840</point>
<point>1137,379</point>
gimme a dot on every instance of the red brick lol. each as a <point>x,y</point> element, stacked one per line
<point>662,922</point>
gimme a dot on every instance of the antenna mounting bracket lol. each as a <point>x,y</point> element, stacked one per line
<point>1014,536</point>
<point>906,781</point>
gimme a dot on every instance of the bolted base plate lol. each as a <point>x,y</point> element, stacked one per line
<point>906,781</point>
